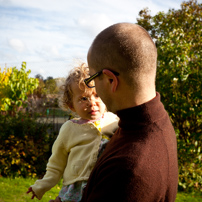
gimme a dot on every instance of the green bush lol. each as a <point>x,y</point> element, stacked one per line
<point>26,144</point>
<point>190,172</point>
<point>15,90</point>
<point>177,35</point>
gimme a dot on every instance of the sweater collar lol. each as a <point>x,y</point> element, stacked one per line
<point>144,114</point>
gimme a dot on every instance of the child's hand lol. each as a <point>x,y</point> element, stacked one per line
<point>33,194</point>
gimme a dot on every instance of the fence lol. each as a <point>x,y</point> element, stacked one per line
<point>55,116</point>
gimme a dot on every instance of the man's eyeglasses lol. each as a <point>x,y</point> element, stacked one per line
<point>89,81</point>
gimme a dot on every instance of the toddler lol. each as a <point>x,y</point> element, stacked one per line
<point>80,141</point>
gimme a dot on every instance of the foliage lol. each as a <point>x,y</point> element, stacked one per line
<point>178,36</point>
<point>40,91</point>
<point>4,78</point>
<point>48,78</point>
<point>16,88</point>
<point>51,86</point>
<point>45,87</point>
<point>39,76</point>
<point>26,144</point>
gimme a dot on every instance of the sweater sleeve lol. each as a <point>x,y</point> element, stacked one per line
<point>55,167</point>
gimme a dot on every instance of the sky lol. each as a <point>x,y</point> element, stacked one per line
<point>53,36</point>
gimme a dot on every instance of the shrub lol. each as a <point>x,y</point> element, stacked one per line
<point>26,144</point>
<point>179,81</point>
<point>15,86</point>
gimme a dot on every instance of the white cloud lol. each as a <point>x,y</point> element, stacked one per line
<point>94,23</point>
<point>47,4</point>
<point>50,33</point>
<point>54,51</point>
<point>17,44</point>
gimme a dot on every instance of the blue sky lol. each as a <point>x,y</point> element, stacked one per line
<point>52,36</point>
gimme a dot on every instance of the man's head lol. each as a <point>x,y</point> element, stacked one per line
<point>128,49</point>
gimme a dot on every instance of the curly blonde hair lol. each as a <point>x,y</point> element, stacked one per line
<point>76,75</point>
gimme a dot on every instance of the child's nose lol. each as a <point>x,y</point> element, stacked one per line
<point>92,100</point>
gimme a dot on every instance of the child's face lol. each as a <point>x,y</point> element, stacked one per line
<point>87,106</point>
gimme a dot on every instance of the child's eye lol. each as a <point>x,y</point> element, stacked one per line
<point>84,99</point>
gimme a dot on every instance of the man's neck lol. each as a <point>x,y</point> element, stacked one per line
<point>135,99</point>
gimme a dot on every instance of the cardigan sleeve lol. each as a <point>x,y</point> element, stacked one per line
<point>55,167</point>
<point>110,124</point>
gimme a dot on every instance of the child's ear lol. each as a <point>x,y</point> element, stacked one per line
<point>113,80</point>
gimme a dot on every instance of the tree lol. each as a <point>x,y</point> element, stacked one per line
<point>4,79</point>
<point>39,76</point>
<point>18,86</point>
<point>40,91</point>
<point>51,86</point>
<point>178,37</point>
<point>49,78</point>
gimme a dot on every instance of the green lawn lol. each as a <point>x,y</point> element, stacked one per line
<point>14,190</point>
<point>191,197</point>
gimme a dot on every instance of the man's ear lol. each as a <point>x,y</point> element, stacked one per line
<point>113,80</point>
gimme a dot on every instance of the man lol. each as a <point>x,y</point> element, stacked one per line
<point>140,161</point>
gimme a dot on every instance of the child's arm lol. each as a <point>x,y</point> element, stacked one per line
<point>33,194</point>
<point>110,124</point>
<point>56,165</point>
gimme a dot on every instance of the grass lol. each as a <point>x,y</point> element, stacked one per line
<point>189,197</point>
<point>14,190</point>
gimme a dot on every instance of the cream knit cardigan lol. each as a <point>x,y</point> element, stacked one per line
<point>74,153</point>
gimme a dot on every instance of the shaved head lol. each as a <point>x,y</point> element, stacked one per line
<point>128,49</point>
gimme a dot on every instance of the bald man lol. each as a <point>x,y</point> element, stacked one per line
<point>140,162</point>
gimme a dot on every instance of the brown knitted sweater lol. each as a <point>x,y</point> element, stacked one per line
<point>140,162</point>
